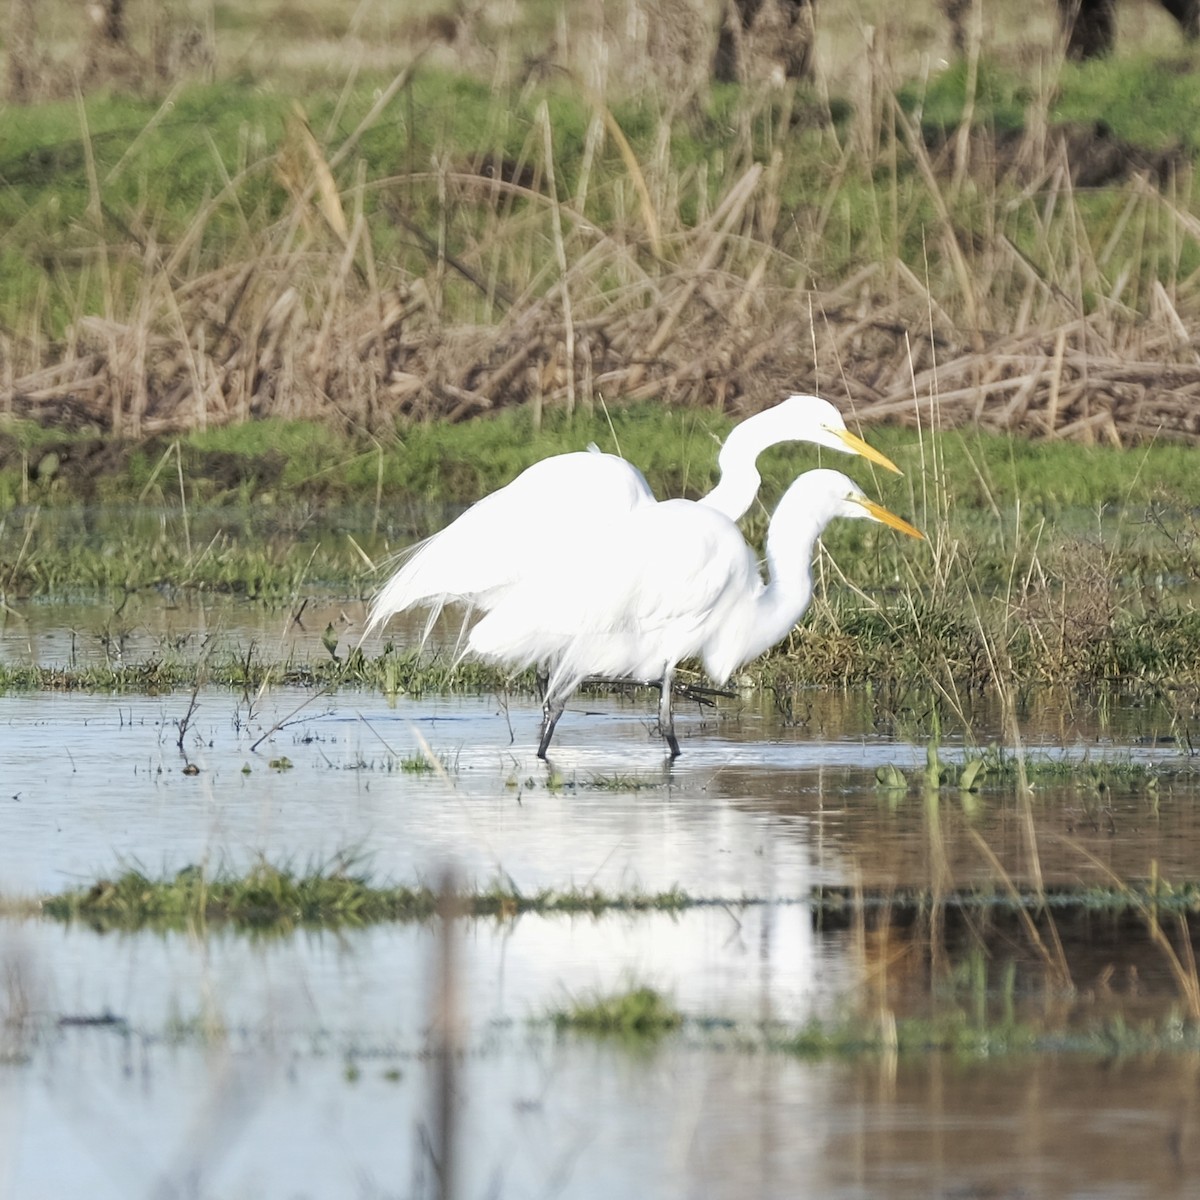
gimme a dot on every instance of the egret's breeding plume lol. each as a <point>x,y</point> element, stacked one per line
<point>567,498</point>
<point>662,583</point>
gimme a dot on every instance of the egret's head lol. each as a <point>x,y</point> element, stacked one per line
<point>823,495</point>
<point>816,420</point>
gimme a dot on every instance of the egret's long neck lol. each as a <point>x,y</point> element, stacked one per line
<point>739,481</point>
<point>798,522</point>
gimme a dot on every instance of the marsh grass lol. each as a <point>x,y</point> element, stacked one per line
<point>839,905</point>
<point>1047,564</point>
<point>272,899</point>
<point>420,241</point>
<point>997,769</point>
<point>410,673</point>
<point>342,892</point>
<point>1023,594</point>
<point>639,1014</point>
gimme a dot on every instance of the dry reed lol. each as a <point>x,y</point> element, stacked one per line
<point>519,292</point>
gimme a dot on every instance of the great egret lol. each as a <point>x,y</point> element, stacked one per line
<point>569,497</point>
<point>663,583</point>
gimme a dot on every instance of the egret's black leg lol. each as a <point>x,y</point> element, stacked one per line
<point>541,681</point>
<point>551,711</point>
<point>666,719</point>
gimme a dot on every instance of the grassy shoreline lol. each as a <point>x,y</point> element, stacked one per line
<point>1047,563</point>
<point>980,999</point>
<point>272,463</point>
<point>238,301</point>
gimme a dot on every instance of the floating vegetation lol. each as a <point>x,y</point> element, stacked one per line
<point>998,768</point>
<point>271,898</point>
<point>640,1013</point>
<point>619,783</point>
<point>417,764</point>
<point>949,1033</point>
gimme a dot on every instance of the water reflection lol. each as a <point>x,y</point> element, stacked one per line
<point>541,1115</point>
<point>299,1066</point>
<point>89,779</point>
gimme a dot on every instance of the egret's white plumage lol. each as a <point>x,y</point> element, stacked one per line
<point>663,583</point>
<point>571,498</point>
<point>486,548</point>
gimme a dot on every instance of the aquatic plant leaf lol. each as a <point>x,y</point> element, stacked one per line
<point>971,775</point>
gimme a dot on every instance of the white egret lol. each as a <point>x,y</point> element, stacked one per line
<point>569,497</point>
<point>663,583</point>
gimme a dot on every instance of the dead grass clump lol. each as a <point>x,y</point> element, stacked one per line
<point>476,277</point>
<point>315,332</point>
<point>1069,616</point>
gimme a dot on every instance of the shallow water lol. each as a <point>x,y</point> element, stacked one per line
<point>542,1116</point>
<point>301,1065</point>
<point>751,808</point>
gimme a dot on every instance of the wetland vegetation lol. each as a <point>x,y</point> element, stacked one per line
<point>422,203</point>
<point>273,313</point>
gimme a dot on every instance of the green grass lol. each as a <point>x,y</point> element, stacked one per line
<point>273,462</point>
<point>957,1035</point>
<point>952,1033</point>
<point>1047,563</point>
<point>1132,93</point>
<point>639,1014</point>
<point>277,899</point>
<point>410,672</point>
<point>840,905</point>
<point>996,769</point>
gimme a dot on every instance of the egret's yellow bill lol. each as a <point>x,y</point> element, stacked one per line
<point>889,518</point>
<point>856,445</point>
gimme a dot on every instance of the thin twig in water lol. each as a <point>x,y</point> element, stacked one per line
<point>1055,963</point>
<point>1185,975</point>
<point>435,763</point>
<point>502,700</point>
<point>186,720</point>
<point>283,722</point>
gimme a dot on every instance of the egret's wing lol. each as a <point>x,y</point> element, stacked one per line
<point>489,546</point>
